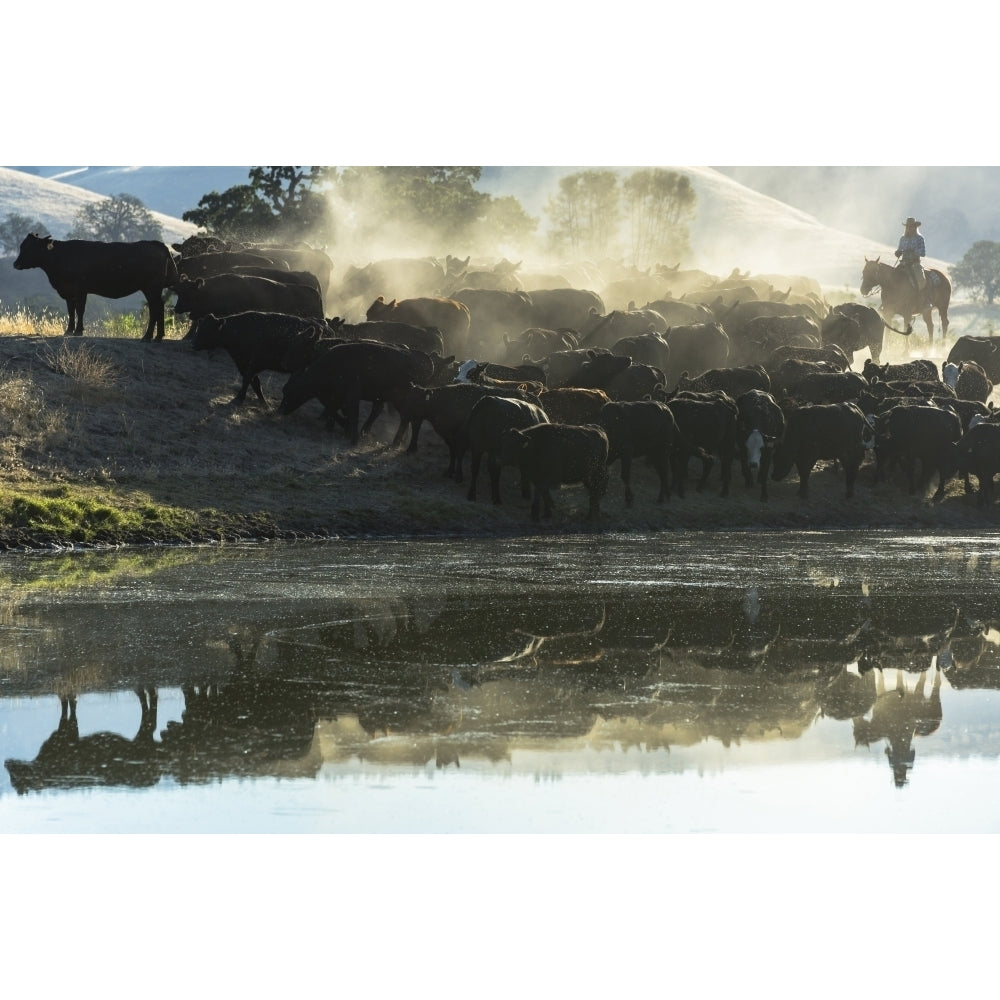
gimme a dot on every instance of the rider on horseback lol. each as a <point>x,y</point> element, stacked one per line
<point>910,250</point>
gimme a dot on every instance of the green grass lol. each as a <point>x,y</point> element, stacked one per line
<point>84,515</point>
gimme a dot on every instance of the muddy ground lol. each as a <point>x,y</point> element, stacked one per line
<point>158,424</point>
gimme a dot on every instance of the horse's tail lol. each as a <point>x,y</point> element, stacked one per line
<point>904,333</point>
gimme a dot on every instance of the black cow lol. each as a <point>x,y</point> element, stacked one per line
<point>225,294</point>
<point>695,349</point>
<point>828,387</point>
<point>204,265</point>
<point>706,421</point>
<point>598,370</point>
<point>506,373</point>
<point>758,337</point>
<point>552,454</point>
<point>985,351</point>
<point>647,349</point>
<point>286,277</point>
<point>417,338</point>
<point>345,374</point>
<point>490,417</point>
<point>644,427</point>
<point>789,373</point>
<point>561,367</point>
<point>972,382</point>
<point>732,381</point>
<point>260,342</point>
<point>447,408</point>
<point>759,427</point>
<point>869,330</point>
<point>925,433</point>
<point>919,369</point>
<point>537,342</point>
<point>979,455</point>
<point>830,354</point>
<point>78,268</point>
<point>825,430</point>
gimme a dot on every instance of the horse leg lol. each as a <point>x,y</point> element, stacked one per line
<point>929,323</point>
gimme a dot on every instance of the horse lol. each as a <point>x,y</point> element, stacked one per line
<point>900,298</point>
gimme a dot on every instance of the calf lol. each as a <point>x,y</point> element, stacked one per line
<point>925,433</point>
<point>760,425</point>
<point>489,418</point>
<point>552,454</point>
<point>259,342</point>
<point>829,430</point>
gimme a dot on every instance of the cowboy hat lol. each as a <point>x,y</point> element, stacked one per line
<point>912,222</point>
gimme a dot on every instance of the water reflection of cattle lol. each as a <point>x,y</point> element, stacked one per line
<point>899,715</point>
<point>67,760</point>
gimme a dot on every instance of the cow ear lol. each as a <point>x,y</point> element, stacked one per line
<point>392,304</point>
<point>50,245</point>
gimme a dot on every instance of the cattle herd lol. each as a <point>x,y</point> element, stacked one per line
<point>558,381</point>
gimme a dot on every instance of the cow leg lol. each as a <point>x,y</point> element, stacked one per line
<point>850,474</point>
<point>662,465</point>
<point>525,485</point>
<point>680,472</point>
<point>627,476</point>
<point>493,467</point>
<point>377,405</point>
<point>536,500</point>
<point>353,408</point>
<point>804,468</point>
<point>727,470</point>
<point>765,468</point>
<point>414,432</point>
<point>477,457</point>
<point>153,300</point>
<point>706,468</point>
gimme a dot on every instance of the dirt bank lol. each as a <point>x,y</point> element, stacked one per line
<point>147,430</point>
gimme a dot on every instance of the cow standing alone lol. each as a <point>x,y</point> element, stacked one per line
<point>78,268</point>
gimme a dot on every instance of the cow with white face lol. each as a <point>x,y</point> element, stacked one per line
<point>761,424</point>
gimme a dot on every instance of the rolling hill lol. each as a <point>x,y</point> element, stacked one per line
<point>735,226</point>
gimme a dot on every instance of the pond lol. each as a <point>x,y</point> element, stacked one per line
<point>669,683</point>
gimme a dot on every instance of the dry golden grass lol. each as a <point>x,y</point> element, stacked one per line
<point>82,363</point>
<point>22,323</point>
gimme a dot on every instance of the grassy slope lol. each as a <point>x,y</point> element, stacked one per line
<point>134,441</point>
